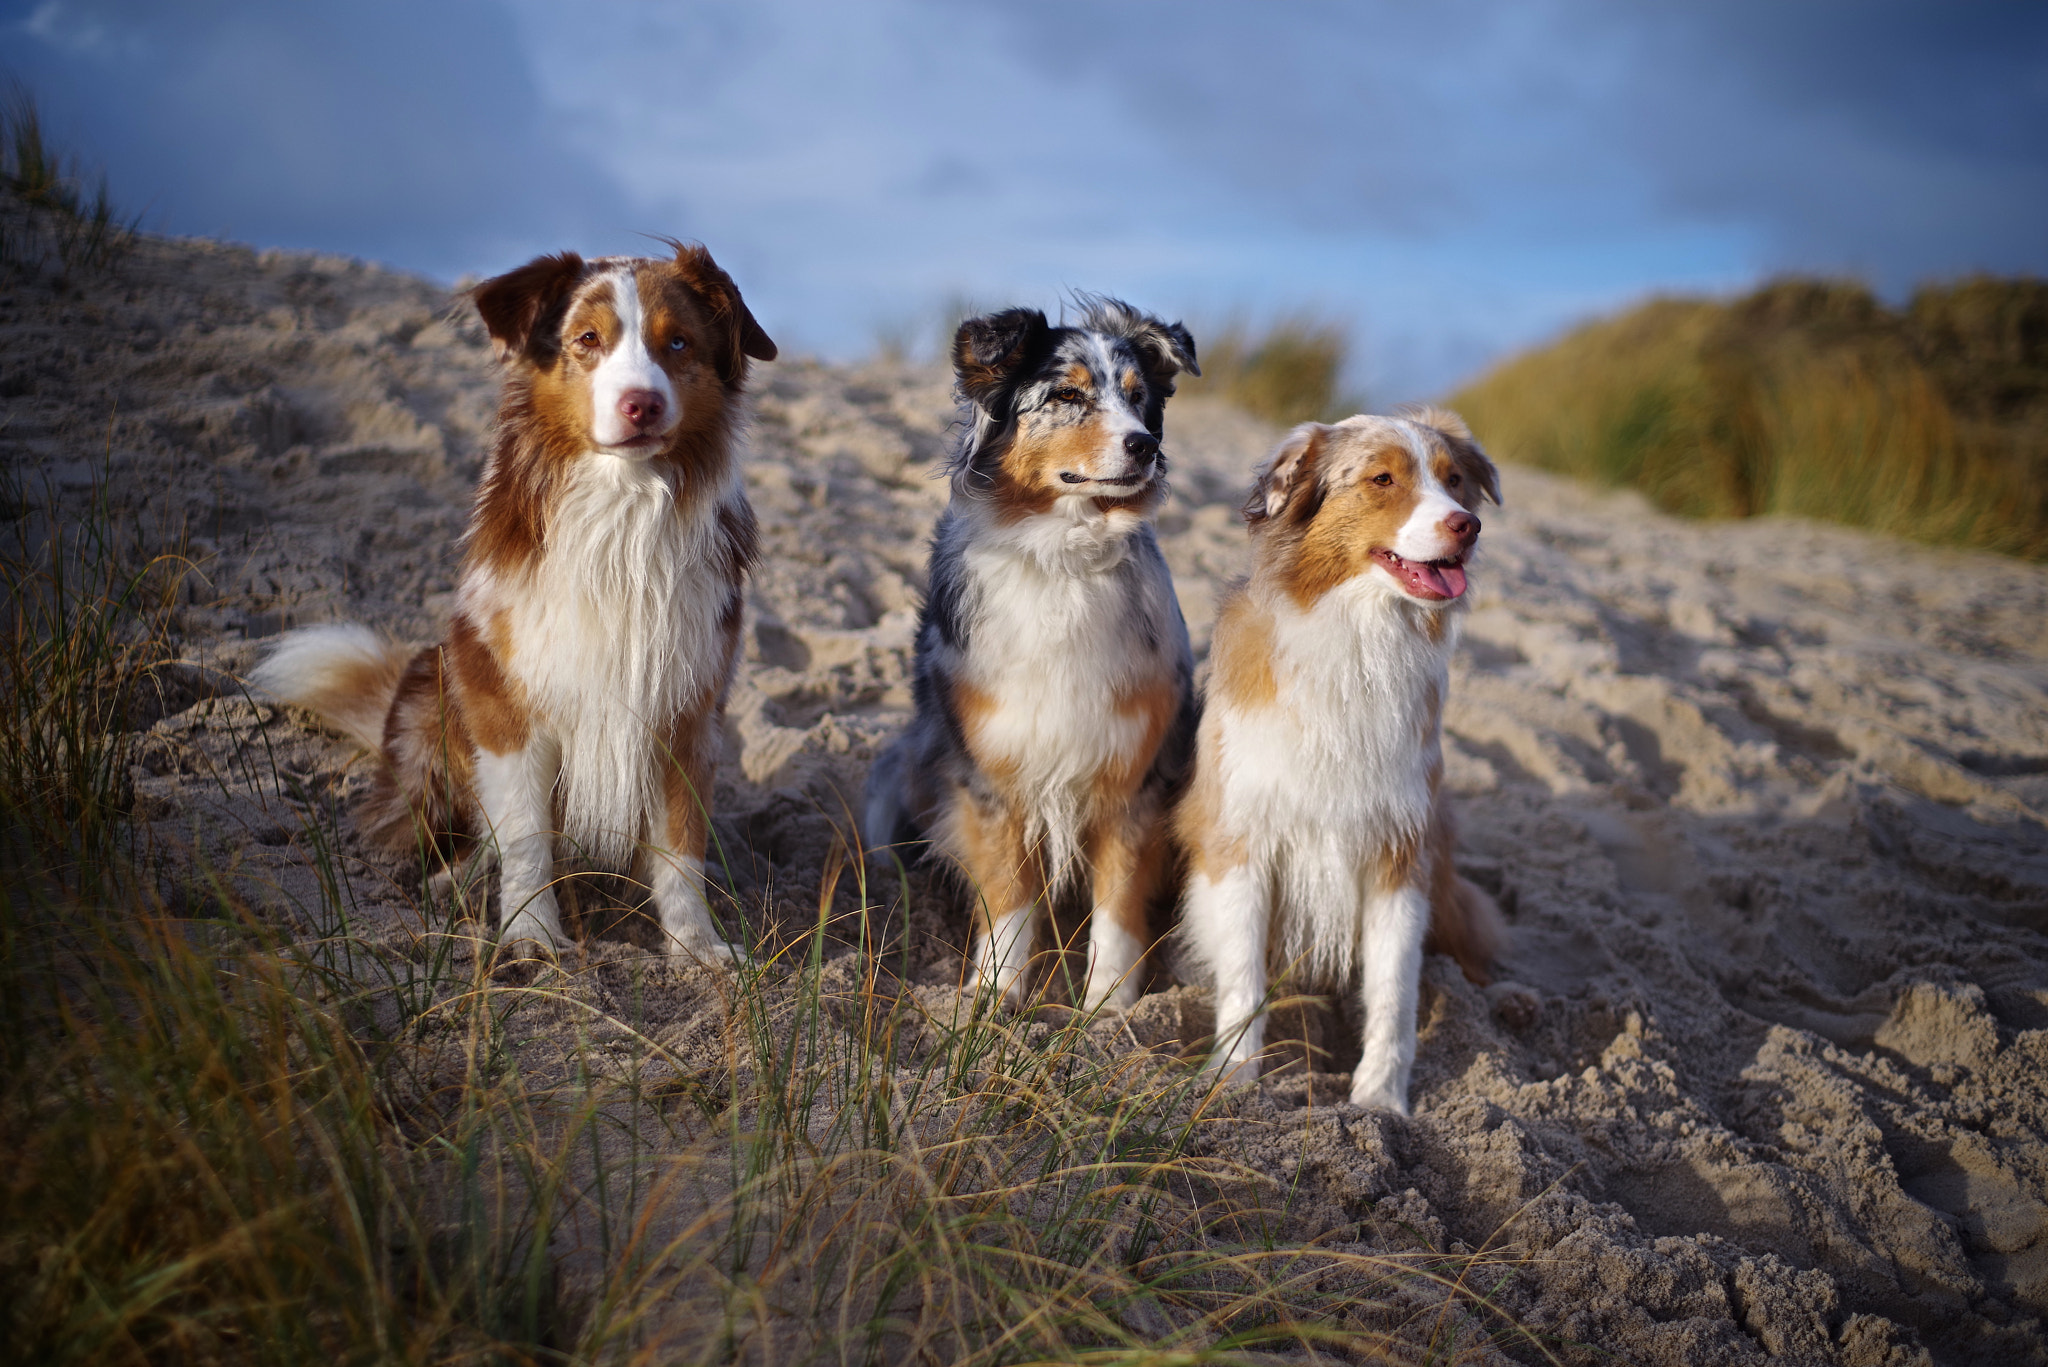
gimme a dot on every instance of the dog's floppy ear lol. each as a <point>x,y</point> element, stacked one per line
<point>990,350</point>
<point>521,308</point>
<point>1168,349</point>
<point>743,336</point>
<point>1464,447</point>
<point>1290,480</point>
<point>1164,349</point>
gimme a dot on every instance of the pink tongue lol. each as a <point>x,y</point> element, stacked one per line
<point>1444,581</point>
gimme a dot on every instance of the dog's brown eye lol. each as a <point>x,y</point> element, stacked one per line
<point>587,339</point>
<point>1454,481</point>
<point>1383,479</point>
<point>1066,393</point>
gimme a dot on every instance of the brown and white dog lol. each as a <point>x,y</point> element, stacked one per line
<point>1053,681</point>
<point>1316,835</point>
<point>579,686</point>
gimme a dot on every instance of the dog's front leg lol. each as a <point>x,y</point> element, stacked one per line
<point>676,866</point>
<point>514,789</point>
<point>988,840</point>
<point>1127,859</point>
<point>1395,922</point>
<point>1227,920</point>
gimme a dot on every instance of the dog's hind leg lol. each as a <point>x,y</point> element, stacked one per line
<point>1464,922</point>
<point>883,819</point>
<point>453,881</point>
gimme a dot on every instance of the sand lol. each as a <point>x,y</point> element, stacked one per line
<point>1765,1073</point>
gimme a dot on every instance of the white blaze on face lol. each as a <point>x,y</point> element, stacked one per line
<point>1423,535</point>
<point>1119,418</point>
<point>628,366</point>
<point>1113,419</point>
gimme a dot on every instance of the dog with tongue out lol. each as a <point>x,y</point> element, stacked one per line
<point>1318,840</point>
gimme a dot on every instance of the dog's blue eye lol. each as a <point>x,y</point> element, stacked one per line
<point>678,343</point>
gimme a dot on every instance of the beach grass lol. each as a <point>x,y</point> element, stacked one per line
<point>247,1132</point>
<point>1287,370</point>
<point>245,1127</point>
<point>1805,397</point>
<point>57,213</point>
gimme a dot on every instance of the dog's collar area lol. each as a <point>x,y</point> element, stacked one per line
<point>1433,581</point>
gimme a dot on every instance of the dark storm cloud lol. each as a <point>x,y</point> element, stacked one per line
<point>404,131</point>
<point>1896,140</point>
<point>1900,139</point>
<point>1459,178</point>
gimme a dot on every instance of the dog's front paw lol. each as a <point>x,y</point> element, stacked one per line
<point>1109,998</point>
<point>1378,1097</point>
<point>700,948</point>
<point>1010,991</point>
<point>1231,1071</point>
<point>527,936</point>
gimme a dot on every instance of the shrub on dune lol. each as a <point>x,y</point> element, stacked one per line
<point>1806,397</point>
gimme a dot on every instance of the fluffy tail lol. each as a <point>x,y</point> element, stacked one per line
<point>345,672</point>
<point>1468,926</point>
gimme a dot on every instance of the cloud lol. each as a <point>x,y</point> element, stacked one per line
<point>410,132</point>
<point>1460,178</point>
<point>1890,139</point>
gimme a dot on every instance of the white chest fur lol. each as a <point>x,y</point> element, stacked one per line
<point>1336,770</point>
<point>1066,617</point>
<point>612,633</point>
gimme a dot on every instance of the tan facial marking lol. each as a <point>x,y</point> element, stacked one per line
<point>1371,499</point>
<point>1031,468</point>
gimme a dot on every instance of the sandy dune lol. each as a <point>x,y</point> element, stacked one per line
<point>1766,1075</point>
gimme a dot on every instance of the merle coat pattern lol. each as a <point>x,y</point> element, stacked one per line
<point>1053,682</point>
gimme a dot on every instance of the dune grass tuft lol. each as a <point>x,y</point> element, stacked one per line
<point>53,217</point>
<point>1289,371</point>
<point>247,1132</point>
<point>1806,397</point>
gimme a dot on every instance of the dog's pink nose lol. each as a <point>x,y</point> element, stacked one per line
<point>1464,526</point>
<point>641,407</point>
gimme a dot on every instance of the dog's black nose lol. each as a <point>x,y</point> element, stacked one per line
<point>1141,445</point>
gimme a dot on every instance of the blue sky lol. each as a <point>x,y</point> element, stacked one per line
<point>1454,180</point>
